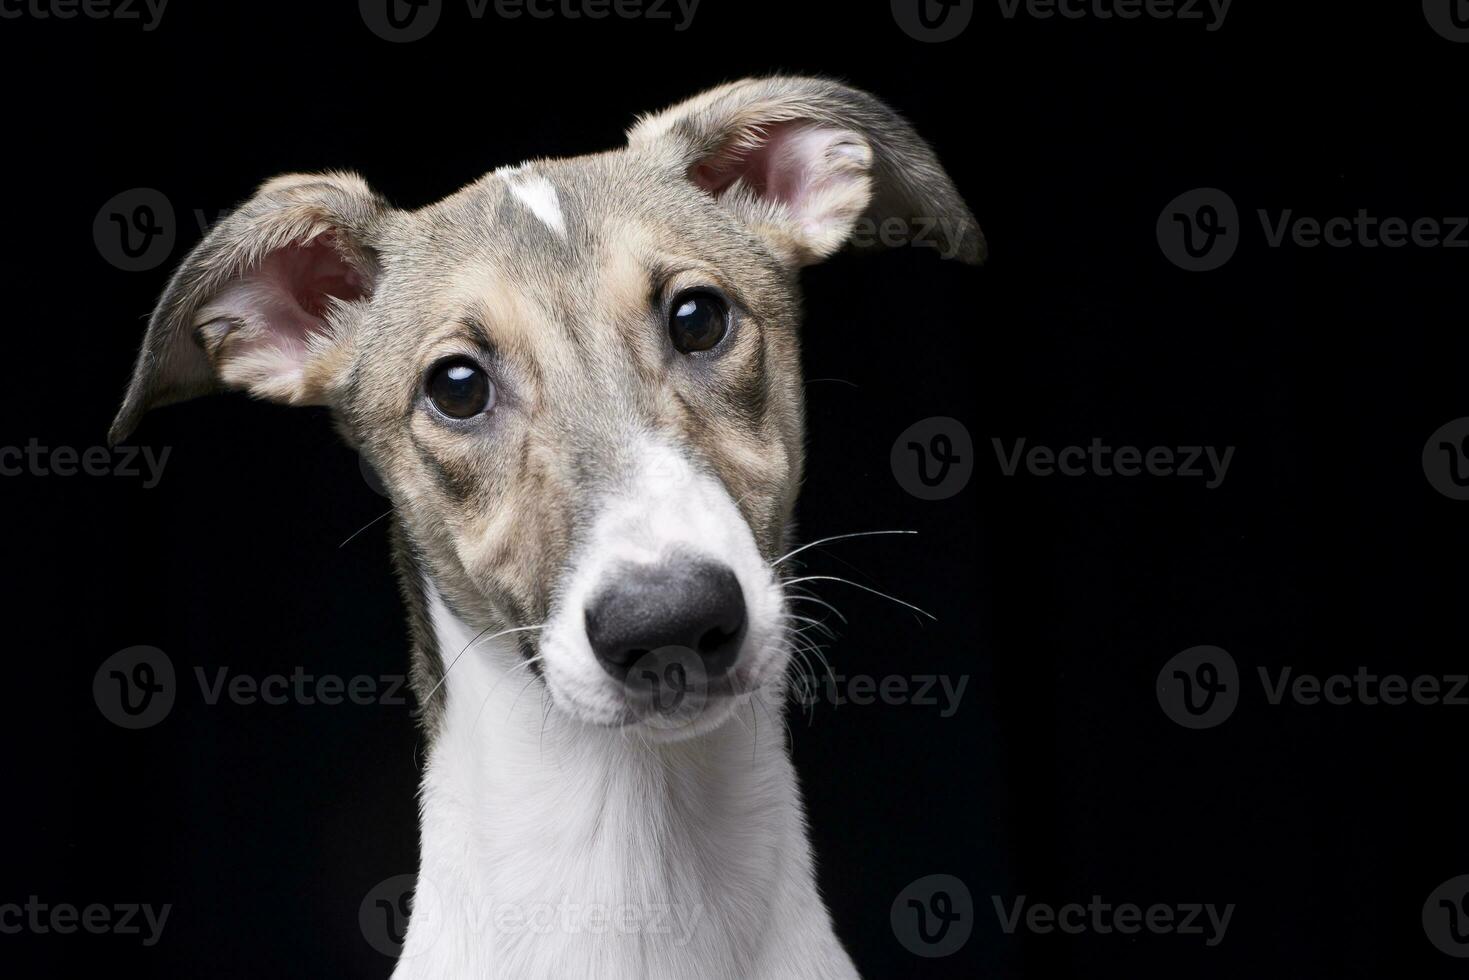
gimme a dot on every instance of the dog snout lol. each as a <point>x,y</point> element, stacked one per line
<point>682,604</point>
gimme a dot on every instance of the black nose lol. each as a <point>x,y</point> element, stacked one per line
<point>683,604</point>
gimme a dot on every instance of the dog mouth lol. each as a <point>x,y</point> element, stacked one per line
<point>667,693</point>
<point>667,614</point>
<point>668,689</point>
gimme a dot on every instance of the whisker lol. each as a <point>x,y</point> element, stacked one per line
<point>755,731</point>
<point>820,602</point>
<point>525,664</point>
<point>545,716</point>
<point>364,528</point>
<point>819,652</point>
<point>784,724</point>
<point>518,629</point>
<point>858,585</point>
<point>838,537</point>
<point>523,688</point>
<point>815,624</point>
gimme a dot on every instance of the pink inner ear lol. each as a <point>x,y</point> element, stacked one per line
<point>818,172</point>
<point>314,272</point>
<point>765,167</point>
<point>286,298</point>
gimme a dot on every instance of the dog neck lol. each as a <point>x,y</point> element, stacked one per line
<point>555,848</point>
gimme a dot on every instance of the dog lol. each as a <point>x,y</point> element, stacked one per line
<point>579,381</point>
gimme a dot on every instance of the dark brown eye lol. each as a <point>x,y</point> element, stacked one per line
<point>697,321</point>
<point>460,389</point>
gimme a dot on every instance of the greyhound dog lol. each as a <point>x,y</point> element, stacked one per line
<point>580,383</point>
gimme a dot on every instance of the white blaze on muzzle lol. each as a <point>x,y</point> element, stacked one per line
<point>671,527</point>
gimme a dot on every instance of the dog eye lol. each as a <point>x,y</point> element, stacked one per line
<point>460,389</point>
<point>697,321</point>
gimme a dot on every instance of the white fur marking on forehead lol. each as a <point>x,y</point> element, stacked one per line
<point>538,194</point>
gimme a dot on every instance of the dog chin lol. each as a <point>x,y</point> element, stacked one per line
<point>698,710</point>
<point>655,726</point>
<point>713,715</point>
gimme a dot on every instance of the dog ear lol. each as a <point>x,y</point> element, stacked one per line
<point>812,165</point>
<point>264,303</point>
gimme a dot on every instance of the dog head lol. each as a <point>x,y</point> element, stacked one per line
<point>578,379</point>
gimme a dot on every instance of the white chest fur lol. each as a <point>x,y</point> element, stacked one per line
<point>552,849</point>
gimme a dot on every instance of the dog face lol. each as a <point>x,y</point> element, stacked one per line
<point>578,379</point>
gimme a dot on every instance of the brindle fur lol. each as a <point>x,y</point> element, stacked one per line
<point>572,327</point>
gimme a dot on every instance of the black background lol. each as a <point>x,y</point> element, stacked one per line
<point>1060,600</point>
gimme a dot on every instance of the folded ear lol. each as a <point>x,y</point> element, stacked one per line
<point>265,303</point>
<point>811,165</point>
